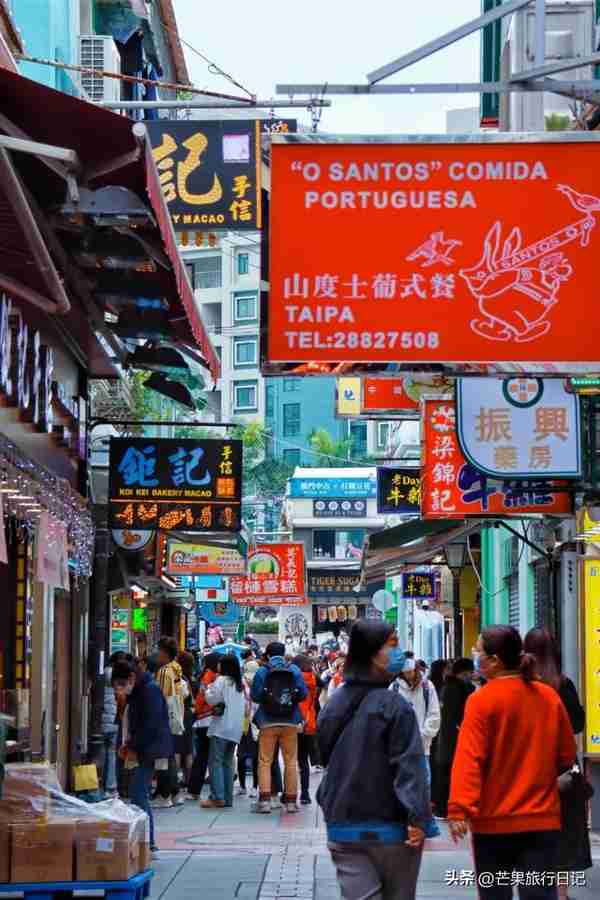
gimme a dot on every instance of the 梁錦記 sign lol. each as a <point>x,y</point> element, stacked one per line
<point>210,172</point>
<point>171,484</point>
<point>519,427</point>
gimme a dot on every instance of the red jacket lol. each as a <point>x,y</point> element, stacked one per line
<point>307,707</point>
<point>514,741</point>
<point>201,707</point>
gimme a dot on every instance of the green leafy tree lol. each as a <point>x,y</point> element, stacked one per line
<point>330,452</point>
<point>558,122</point>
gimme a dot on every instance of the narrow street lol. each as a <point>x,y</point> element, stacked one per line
<point>220,855</point>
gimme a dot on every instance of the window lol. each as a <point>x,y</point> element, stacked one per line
<point>243,261</point>
<point>334,544</point>
<point>291,457</point>
<point>245,351</point>
<point>291,384</point>
<point>383,433</point>
<point>270,401</point>
<point>245,396</point>
<point>205,273</point>
<point>291,419</point>
<point>244,308</point>
<point>358,435</point>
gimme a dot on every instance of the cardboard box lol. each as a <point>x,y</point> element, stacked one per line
<point>26,793</point>
<point>4,854</point>
<point>144,843</point>
<point>42,852</point>
<point>106,851</point>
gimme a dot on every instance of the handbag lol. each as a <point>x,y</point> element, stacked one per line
<point>85,778</point>
<point>573,779</point>
<point>175,710</point>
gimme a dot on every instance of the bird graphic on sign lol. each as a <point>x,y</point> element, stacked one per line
<point>435,251</point>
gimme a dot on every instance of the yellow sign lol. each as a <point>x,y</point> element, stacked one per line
<point>592,656</point>
<point>348,396</point>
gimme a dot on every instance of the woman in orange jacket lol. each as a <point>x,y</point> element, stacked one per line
<point>306,737</point>
<point>203,713</point>
<point>514,742</point>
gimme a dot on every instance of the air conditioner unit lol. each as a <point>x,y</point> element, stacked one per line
<point>99,51</point>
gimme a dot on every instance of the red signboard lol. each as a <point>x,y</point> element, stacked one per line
<point>416,252</point>
<point>276,576</point>
<point>380,394</point>
<point>451,488</point>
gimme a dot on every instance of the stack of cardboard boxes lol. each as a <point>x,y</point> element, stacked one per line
<point>48,836</point>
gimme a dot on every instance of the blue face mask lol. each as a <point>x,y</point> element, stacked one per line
<point>396,659</point>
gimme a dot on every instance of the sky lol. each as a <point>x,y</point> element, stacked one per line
<point>268,42</point>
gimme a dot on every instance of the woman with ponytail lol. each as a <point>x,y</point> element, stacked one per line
<point>514,742</point>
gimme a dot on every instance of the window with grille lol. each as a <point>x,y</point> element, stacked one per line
<point>291,419</point>
<point>512,581</point>
<point>206,273</point>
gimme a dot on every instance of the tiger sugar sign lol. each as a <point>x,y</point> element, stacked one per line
<point>429,252</point>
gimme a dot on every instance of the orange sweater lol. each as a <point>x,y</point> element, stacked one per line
<point>514,742</point>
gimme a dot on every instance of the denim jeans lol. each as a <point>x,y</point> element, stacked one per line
<point>220,764</point>
<point>140,788</point>
<point>109,764</point>
<point>432,828</point>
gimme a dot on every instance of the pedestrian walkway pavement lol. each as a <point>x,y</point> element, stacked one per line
<point>227,854</point>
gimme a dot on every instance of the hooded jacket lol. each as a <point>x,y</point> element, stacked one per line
<point>376,771</point>
<point>424,700</point>
<point>149,733</point>
<point>262,719</point>
<point>307,707</point>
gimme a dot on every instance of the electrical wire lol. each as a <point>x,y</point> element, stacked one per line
<point>514,569</point>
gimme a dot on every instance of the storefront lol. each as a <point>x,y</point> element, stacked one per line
<point>336,605</point>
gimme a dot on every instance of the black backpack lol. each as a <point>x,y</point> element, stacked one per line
<point>280,695</point>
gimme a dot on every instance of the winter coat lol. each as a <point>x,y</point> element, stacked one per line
<point>109,710</point>
<point>376,770</point>
<point>149,733</point>
<point>424,700</point>
<point>230,725</point>
<point>307,707</point>
<point>455,694</point>
<point>262,718</point>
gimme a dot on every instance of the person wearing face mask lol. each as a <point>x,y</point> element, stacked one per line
<point>146,731</point>
<point>457,689</point>
<point>514,742</point>
<point>412,685</point>
<point>375,794</point>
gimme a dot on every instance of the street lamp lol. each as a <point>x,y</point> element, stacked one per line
<point>456,559</point>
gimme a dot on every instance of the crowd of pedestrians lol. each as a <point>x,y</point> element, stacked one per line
<point>485,743</point>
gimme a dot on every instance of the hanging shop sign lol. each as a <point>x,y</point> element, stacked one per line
<point>219,613</point>
<point>295,625</point>
<point>132,539</point>
<point>51,552</point>
<point>398,491</point>
<point>453,488</point>
<point>210,172</point>
<point>199,559</point>
<point>592,656</point>
<point>276,573</point>
<point>348,397</point>
<point>279,126</point>
<point>339,509</point>
<point>334,487</point>
<point>119,623</point>
<point>402,394</point>
<point>185,484</point>
<point>333,584</point>
<point>418,585</point>
<point>519,427</point>
<point>584,385</point>
<point>191,629</point>
<point>455,265</point>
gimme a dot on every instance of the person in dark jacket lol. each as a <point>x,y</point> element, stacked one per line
<point>457,689</point>
<point>574,851</point>
<point>375,794</point>
<point>146,736</point>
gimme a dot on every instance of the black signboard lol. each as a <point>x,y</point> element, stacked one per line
<point>418,585</point>
<point>333,584</point>
<point>398,490</point>
<point>210,172</point>
<point>187,485</point>
<point>279,126</point>
<point>339,509</point>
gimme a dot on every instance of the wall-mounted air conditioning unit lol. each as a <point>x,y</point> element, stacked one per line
<point>99,51</point>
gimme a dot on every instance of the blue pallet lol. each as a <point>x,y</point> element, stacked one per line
<point>136,888</point>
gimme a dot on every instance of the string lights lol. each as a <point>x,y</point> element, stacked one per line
<point>28,488</point>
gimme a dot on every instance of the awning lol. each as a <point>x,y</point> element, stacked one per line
<point>110,248</point>
<point>413,543</point>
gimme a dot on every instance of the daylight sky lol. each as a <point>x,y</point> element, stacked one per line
<point>277,41</point>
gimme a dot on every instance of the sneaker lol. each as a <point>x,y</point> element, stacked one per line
<point>253,793</point>
<point>305,800</point>
<point>178,800</point>
<point>275,802</point>
<point>291,808</point>
<point>212,804</point>
<point>262,807</point>
<point>162,803</point>
<point>241,792</point>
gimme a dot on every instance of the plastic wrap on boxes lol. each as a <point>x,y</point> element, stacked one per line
<point>51,836</point>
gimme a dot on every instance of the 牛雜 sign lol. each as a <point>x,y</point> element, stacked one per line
<point>520,427</point>
<point>169,484</point>
<point>398,490</point>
